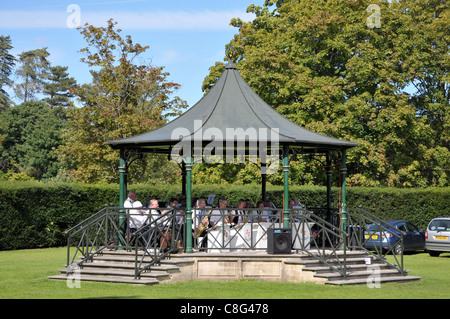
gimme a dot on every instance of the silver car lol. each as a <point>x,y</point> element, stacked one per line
<point>437,236</point>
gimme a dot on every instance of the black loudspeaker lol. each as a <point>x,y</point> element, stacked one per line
<point>279,241</point>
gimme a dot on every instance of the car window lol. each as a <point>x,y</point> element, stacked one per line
<point>412,227</point>
<point>401,227</point>
<point>440,224</point>
<point>373,227</point>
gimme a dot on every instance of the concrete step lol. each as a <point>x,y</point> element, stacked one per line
<point>130,259</point>
<point>119,266</point>
<point>364,281</point>
<point>167,267</point>
<point>357,270</point>
<point>331,261</point>
<point>113,279</point>
<point>353,267</point>
<point>159,275</point>
<point>357,274</point>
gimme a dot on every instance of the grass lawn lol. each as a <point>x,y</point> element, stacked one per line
<point>23,275</point>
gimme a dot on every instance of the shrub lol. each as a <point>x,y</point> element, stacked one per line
<point>35,214</point>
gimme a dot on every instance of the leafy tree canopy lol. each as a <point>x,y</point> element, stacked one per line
<point>29,137</point>
<point>33,69</point>
<point>326,66</point>
<point>7,63</point>
<point>124,99</point>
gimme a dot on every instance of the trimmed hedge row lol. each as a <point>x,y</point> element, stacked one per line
<point>35,215</point>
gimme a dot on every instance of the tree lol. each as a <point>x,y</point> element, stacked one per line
<point>30,133</point>
<point>33,68</point>
<point>322,65</point>
<point>123,99</point>
<point>59,87</point>
<point>7,63</point>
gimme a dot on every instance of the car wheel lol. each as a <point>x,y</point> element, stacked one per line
<point>434,253</point>
<point>398,249</point>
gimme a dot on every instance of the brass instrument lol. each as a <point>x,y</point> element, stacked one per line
<point>203,225</point>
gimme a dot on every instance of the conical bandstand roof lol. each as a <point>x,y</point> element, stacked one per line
<point>230,106</point>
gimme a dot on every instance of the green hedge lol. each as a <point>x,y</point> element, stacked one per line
<point>37,214</point>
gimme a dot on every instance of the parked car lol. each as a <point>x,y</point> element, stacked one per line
<point>437,236</point>
<point>414,238</point>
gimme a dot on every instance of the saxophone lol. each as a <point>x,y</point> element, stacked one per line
<point>203,225</point>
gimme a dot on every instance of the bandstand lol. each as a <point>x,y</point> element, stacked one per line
<point>230,122</point>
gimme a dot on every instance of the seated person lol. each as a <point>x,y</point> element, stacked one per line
<point>201,223</point>
<point>136,217</point>
<point>259,212</point>
<point>177,214</point>
<point>173,207</point>
<point>239,216</point>
<point>268,215</point>
<point>218,216</point>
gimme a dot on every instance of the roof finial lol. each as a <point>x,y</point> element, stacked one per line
<point>230,52</point>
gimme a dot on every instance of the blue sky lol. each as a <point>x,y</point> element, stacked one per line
<point>186,37</point>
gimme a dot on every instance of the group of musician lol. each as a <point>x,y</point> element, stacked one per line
<point>204,216</point>
<point>244,212</point>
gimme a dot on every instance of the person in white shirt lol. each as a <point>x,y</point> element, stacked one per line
<point>139,215</point>
<point>199,213</point>
<point>219,216</point>
<point>153,212</point>
<point>128,203</point>
<point>133,219</point>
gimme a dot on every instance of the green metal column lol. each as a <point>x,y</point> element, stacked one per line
<point>122,195</point>
<point>189,204</point>
<point>343,195</point>
<point>329,183</point>
<point>286,186</point>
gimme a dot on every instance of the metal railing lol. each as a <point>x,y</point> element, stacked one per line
<point>154,235</point>
<point>362,238</point>
<point>327,242</point>
<point>161,236</point>
<point>93,235</point>
<point>309,233</point>
<point>126,229</point>
<point>316,231</point>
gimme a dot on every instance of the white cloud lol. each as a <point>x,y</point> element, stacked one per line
<point>157,20</point>
<point>32,19</point>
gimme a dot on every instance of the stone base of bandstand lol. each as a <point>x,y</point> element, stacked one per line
<point>251,264</point>
<point>296,267</point>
